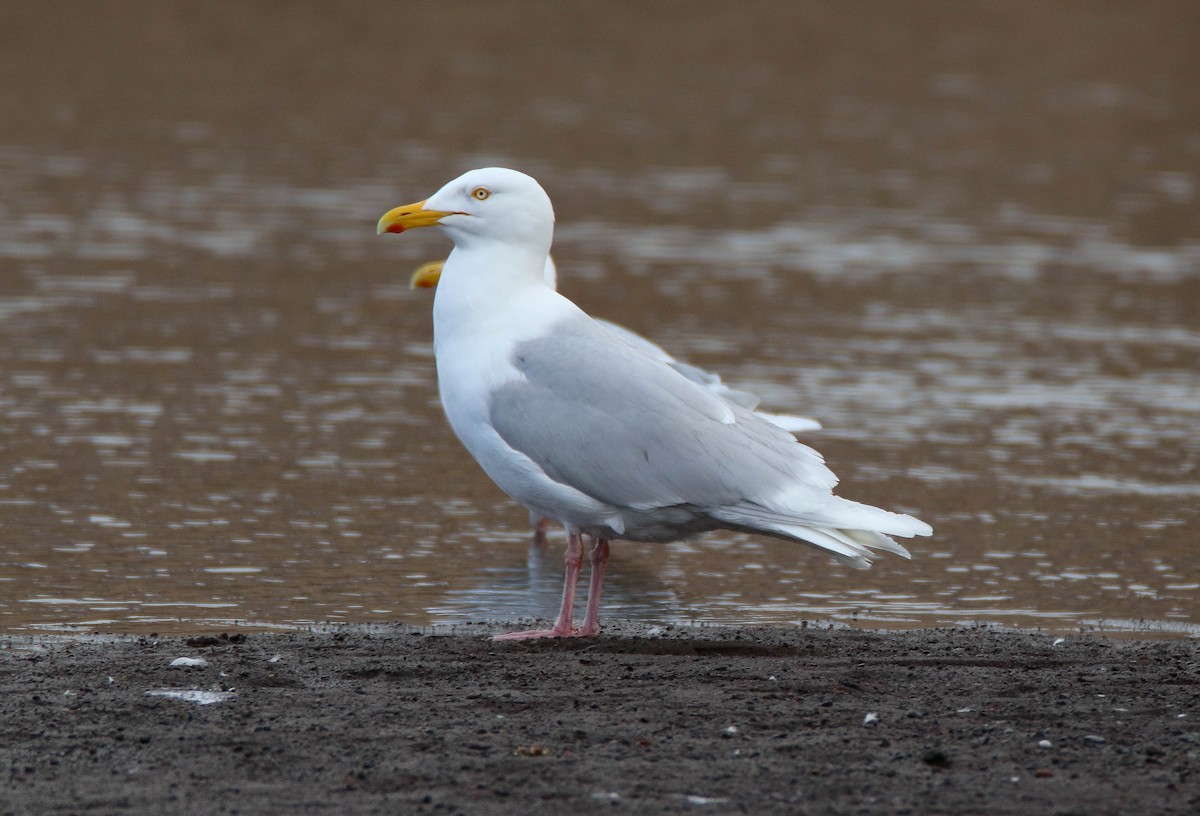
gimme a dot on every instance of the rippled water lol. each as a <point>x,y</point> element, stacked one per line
<point>217,395</point>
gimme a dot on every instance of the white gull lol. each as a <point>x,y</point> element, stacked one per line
<point>578,426</point>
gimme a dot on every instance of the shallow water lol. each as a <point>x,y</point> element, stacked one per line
<point>975,259</point>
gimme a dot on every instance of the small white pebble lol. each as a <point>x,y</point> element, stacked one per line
<point>963,711</point>
<point>608,796</point>
<point>705,800</point>
<point>772,679</point>
<point>111,681</point>
<point>654,631</point>
<point>1180,716</point>
<point>1058,641</point>
<point>1094,738</point>
<point>730,731</point>
<point>1014,779</point>
<point>189,663</point>
<point>274,658</point>
<point>871,718</point>
<point>1045,744</point>
<point>193,695</point>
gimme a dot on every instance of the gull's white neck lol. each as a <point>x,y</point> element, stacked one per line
<point>493,289</point>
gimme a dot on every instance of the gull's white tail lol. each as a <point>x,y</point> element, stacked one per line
<point>846,529</point>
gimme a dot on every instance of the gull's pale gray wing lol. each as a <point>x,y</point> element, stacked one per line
<point>791,424</point>
<point>698,375</point>
<point>627,430</point>
<point>648,347</point>
<point>711,381</point>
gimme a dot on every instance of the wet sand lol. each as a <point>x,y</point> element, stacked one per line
<point>643,720</point>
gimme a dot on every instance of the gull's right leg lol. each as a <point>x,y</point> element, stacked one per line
<point>591,620</point>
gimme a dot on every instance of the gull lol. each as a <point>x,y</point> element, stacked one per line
<point>578,426</point>
<point>428,274</point>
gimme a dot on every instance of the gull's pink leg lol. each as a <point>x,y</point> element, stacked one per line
<point>539,532</point>
<point>591,620</point>
<point>564,626</point>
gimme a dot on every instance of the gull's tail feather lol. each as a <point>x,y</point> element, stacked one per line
<point>847,530</point>
<point>878,541</point>
<point>858,516</point>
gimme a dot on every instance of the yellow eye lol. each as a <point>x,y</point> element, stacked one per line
<point>480,193</point>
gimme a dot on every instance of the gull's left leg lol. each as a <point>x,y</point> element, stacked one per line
<point>539,530</point>
<point>591,620</point>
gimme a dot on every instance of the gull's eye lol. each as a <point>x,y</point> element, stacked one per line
<point>480,193</point>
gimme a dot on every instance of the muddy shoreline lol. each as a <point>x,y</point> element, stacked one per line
<point>644,719</point>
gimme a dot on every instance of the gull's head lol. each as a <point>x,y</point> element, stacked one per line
<point>493,203</point>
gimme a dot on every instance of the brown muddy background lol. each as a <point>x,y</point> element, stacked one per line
<point>964,237</point>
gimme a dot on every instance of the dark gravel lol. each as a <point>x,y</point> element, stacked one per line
<point>643,720</point>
